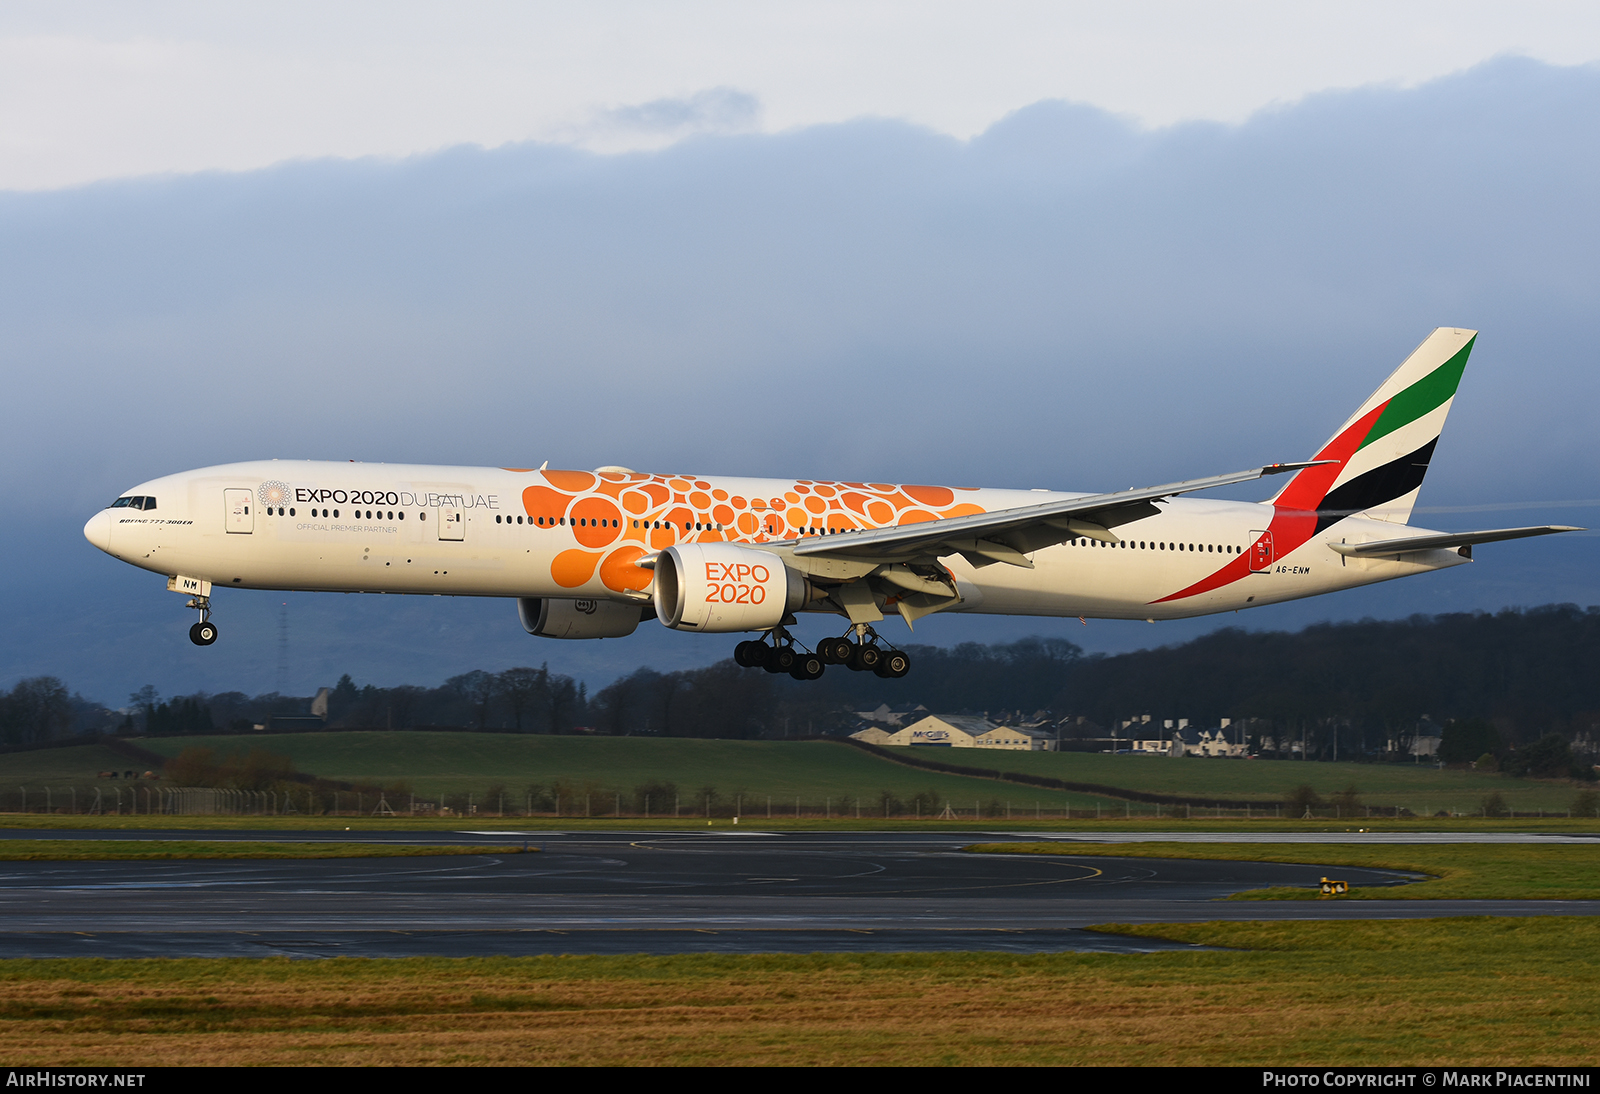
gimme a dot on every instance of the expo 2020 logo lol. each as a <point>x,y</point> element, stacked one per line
<point>274,493</point>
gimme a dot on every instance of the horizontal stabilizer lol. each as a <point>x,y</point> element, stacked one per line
<point>1440,540</point>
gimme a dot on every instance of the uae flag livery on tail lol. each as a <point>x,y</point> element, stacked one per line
<point>1368,475</point>
<point>1381,454</point>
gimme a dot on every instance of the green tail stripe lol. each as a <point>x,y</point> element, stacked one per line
<point>1426,394</point>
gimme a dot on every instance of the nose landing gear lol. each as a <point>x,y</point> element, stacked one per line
<point>204,632</point>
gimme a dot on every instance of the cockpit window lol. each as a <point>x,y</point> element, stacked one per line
<point>135,502</point>
<point>149,503</point>
<point>123,503</point>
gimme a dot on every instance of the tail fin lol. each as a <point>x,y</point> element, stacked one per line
<point>1384,449</point>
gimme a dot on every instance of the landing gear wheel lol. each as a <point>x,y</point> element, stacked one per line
<point>807,666</point>
<point>750,655</point>
<point>894,665</point>
<point>866,659</point>
<point>836,651</point>
<point>204,632</point>
<point>780,659</point>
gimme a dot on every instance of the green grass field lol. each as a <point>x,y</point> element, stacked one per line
<point>78,763</point>
<point>824,775</point>
<point>1422,788</point>
<point>1527,871</point>
<point>1452,992</point>
<point>108,850</point>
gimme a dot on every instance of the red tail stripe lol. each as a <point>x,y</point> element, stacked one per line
<point>1237,569</point>
<point>1307,489</point>
<point>1290,528</point>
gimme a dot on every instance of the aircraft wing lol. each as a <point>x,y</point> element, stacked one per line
<point>1438,540</point>
<point>1009,535</point>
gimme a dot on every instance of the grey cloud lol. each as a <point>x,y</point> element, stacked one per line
<point>714,110</point>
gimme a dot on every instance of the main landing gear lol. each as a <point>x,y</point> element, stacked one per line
<point>781,656</point>
<point>864,654</point>
<point>204,632</point>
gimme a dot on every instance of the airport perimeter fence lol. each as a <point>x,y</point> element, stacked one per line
<point>151,800</point>
<point>146,800</point>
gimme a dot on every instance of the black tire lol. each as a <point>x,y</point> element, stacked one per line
<point>836,651</point>
<point>203,634</point>
<point>894,665</point>
<point>807,666</point>
<point>781,659</point>
<point>866,659</point>
<point>741,655</point>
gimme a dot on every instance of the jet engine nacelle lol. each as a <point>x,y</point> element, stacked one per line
<point>716,587</point>
<point>553,617</point>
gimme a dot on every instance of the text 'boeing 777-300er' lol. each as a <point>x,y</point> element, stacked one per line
<point>591,554</point>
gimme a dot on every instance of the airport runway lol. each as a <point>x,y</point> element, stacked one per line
<point>660,892</point>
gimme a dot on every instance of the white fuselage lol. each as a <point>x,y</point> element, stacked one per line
<point>462,531</point>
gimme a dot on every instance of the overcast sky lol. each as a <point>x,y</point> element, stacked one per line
<point>1029,250</point>
<point>94,90</point>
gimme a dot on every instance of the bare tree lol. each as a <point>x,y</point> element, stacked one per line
<point>524,690</point>
<point>37,709</point>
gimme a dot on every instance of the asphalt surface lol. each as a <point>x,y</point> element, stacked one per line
<point>674,892</point>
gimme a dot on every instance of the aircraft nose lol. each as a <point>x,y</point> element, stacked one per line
<point>98,530</point>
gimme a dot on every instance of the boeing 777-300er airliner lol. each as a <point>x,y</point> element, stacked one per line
<point>591,554</point>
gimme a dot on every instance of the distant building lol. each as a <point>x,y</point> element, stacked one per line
<point>1424,742</point>
<point>1181,739</point>
<point>292,723</point>
<point>1017,739</point>
<point>943,731</point>
<point>1207,742</point>
<point>960,731</point>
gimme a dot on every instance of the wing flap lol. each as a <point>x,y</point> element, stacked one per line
<point>1018,531</point>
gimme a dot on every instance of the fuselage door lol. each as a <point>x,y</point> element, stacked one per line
<point>1261,551</point>
<point>452,523</point>
<point>240,505</point>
